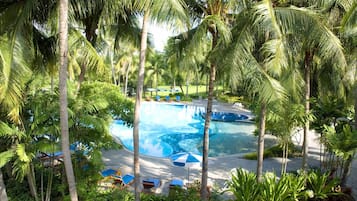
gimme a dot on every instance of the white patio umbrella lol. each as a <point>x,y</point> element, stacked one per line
<point>186,159</point>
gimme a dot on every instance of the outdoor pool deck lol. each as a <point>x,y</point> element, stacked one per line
<point>218,170</point>
<point>218,167</point>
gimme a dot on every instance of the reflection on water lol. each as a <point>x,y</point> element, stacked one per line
<point>168,129</point>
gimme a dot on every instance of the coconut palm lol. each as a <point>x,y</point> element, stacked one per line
<point>212,19</point>
<point>156,68</point>
<point>63,46</point>
<point>259,48</point>
<point>157,11</point>
<point>316,41</point>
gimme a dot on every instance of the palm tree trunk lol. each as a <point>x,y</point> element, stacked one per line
<point>126,79</point>
<point>346,169</point>
<point>139,91</point>
<point>156,82</point>
<point>63,46</point>
<point>32,182</point>
<point>212,77</point>
<point>355,94</point>
<point>308,58</point>
<point>113,69</point>
<point>3,195</point>
<point>187,86</point>
<point>197,85</point>
<point>261,141</point>
<point>81,76</point>
<point>119,80</point>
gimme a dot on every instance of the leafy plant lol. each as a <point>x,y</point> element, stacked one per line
<point>321,185</point>
<point>244,185</point>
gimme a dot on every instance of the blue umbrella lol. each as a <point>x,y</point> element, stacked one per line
<point>186,159</point>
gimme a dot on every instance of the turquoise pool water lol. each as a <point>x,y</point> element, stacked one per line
<point>166,129</point>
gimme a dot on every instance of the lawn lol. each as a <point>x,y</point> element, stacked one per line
<point>193,93</point>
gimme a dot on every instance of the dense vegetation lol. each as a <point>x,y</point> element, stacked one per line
<point>293,63</point>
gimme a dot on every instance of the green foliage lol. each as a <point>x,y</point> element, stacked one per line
<point>244,185</point>
<point>302,186</point>
<point>327,110</point>
<point>342,142</point>
<point>321,185</point>
<point>6,156</point>
<point>18,191</point>
<point>227,98</point>
<point>275,151</point>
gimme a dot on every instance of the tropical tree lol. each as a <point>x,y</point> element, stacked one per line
<point>342,141</point>
<point>157,11</point>
<point>63,60</point>
<point>128,57</point>
<point>325,46</point>
<point>282,120</point>
<point>156,68</point>
<point>95,14</point>
<point>259,47</point>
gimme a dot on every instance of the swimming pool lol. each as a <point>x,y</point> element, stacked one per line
<point>166,129</point>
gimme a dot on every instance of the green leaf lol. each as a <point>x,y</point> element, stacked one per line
<point>21,153</point>
<point>6,156</point>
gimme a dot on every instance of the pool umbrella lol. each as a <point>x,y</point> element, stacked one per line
<point>188,160</point>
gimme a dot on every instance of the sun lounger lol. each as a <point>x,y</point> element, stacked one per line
<point>176,188</point>
<point>108,177</point>
<point>125,180</point>
<point>150,184</point>
<point>109,174</point>
<point>176,183</point>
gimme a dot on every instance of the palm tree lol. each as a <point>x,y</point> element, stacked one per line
<point>156,68</point>
<point>63,46</point>
<point>157,11</point>
<point>95,14</point>
<point>317,41</point>
<point>259,48</point>
<point>211,18</point>
<point>128,56</point>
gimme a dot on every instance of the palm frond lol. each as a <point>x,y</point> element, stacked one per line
<point>21,153</point>
<point>311,30</point>
<point>171,12</point>
<point>14,72</point>
<point>275,56</point>
<point>10,132</point>
<point>271,90</point>
<point>348,24</point>
<point>293,82</point>
<point>88,54</point>
<point>264,16</point>
<point>6,156</point>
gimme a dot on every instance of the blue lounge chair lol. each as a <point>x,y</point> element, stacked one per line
<point>157,98</point>
<point>178,98</point>
<point>176,187</point>
<point>151,183</point>
<point>124,180</point>
<point>109,174</point>
<point>176,183</point>
<point>167,98</point>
